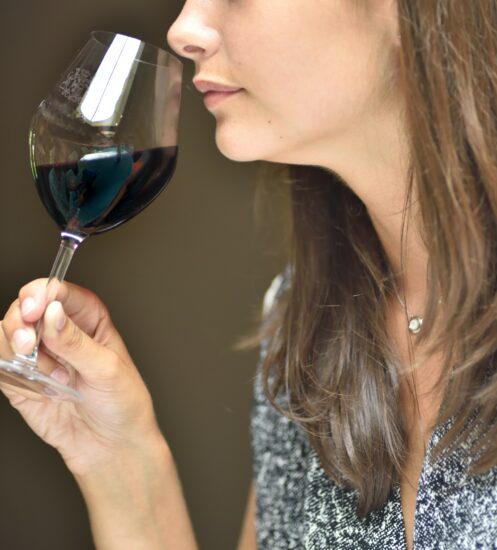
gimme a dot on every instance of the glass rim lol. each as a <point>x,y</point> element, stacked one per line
<point>97,36</point>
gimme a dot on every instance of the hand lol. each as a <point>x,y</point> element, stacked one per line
<point>116,415</point>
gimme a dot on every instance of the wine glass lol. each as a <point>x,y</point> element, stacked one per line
<point>102,146</point>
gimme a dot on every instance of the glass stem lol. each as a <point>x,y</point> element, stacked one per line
<point>68,245</point>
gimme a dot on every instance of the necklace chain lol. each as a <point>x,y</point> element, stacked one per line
<point>414,322</point>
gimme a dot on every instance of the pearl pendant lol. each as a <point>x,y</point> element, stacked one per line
<point>415,323</point>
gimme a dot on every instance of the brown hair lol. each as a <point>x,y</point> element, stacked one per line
<point>329,350</point>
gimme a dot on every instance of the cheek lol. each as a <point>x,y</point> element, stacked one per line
<point>304,90</point>
<point>258,122</point>
<point>276,122</point>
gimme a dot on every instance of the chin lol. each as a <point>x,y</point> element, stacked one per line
<point>249,149</point>
<point>250,152</point>
<point>237,150</point>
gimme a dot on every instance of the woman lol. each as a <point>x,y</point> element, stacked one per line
<point>374,413</point>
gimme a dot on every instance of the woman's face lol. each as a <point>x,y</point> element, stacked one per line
<point>313,72</point>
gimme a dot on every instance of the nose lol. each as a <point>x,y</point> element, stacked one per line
<point>193,34</point>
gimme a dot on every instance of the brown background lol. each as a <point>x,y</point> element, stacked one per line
<point>182,281</point>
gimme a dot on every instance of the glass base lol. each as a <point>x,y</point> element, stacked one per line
<point>22,375</point>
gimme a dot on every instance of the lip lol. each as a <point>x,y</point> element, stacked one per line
<point>205,86</point>
<point>211,99</point>
<point>214,92</point>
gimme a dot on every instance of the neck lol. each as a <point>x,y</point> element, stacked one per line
<point>372,162</point>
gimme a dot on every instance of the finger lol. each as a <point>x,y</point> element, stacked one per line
<point>13,340</point>
<point>63,338</point>
<point>6,351</point>
<point>81,305</point>
<point>46,365</point>
<point>17,395</point>
<point>32,300</point>
<point>18,336</point>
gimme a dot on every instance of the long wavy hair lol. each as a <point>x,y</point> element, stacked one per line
<point>329,350</point>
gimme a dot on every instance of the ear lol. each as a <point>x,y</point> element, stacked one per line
<point>393,7</point>
<point>387,11</point>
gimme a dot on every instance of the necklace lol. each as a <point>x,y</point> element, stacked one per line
<point>415,322</point>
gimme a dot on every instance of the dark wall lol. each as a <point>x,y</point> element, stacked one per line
<point>182,282</point>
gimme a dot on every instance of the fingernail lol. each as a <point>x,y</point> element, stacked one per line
<point>60,375</point>
<point>60,317</point>
<point>20,339</point>
<point>28,305</point>
<point>55,319</point>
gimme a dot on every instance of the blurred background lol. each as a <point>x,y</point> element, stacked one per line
<point>183,282</point>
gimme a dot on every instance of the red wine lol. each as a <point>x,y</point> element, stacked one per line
<point>104,188</point>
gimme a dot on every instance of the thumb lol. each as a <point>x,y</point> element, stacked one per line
<point>73,346</point>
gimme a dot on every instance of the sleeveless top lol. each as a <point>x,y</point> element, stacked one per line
<point>299,507</point>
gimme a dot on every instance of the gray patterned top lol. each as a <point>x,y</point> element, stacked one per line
<point>299,507</point>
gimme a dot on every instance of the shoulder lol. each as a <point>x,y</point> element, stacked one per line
<point>277,287</point>
<point>279,452</point>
